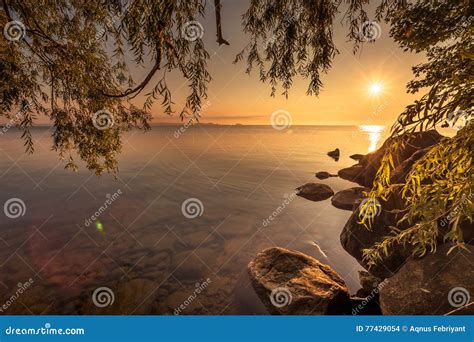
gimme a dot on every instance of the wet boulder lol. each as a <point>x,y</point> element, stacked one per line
<point>292,283</point>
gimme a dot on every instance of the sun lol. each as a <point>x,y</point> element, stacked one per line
<point>375,88</point>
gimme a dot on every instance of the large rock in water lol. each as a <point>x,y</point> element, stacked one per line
<point>400,173</point>
<point>315,191</point>
<point>355,236</point>
<point>292,283</point>
<point>364,172</point>
<point>348,199</point>
<point>434,285</point>
<point>355,174</point>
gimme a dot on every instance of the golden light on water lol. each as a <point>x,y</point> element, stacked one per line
<point>375,134</point>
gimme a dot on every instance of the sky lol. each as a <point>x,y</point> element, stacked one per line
<point>237,98</point>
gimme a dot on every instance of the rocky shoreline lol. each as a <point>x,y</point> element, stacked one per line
<point>289,282</point>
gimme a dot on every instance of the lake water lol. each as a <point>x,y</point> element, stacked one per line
<point>151,255</point>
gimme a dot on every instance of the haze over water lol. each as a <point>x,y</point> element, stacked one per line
<point>142,246</point>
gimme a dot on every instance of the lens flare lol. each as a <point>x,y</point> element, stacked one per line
<point>375,89</point>
<point>99,226</point>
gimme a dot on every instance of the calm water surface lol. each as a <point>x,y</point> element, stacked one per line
<point>152,257</point>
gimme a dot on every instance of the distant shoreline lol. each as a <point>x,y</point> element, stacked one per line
<point>210,125</point>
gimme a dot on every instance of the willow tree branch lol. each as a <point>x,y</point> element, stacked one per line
<point>220,39</point>
<point>144,83</point>
<point>38,31</point>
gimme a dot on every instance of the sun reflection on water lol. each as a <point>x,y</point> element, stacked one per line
<point>375,134</point>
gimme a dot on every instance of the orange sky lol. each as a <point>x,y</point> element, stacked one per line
<point>236,97</point>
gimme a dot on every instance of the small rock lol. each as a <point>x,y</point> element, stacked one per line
<point>324,175</point>
<point>348,199</point>
<point>357,156</point>
<point>335,154</point>
<point>289,282</point>
<point>315,191</point>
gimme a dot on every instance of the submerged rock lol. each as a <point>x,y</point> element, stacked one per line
<point>132,297</point>
<point>434,285</point>
<point>348,199</point>
<point>315,191</point>
<point>292,283</point>
<point>324,175</point>
<point>335,154</point>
